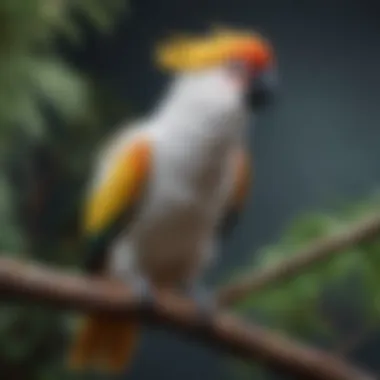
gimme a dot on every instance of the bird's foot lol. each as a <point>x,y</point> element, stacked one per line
<point>204,300</point>
<point>143,289</point>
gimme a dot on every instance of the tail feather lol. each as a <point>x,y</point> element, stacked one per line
<point>104,344</point>
<point>121,344</point>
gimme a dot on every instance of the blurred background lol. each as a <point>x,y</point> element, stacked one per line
<point>70,71</point>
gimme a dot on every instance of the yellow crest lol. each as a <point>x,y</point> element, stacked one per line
<point>187,53</point>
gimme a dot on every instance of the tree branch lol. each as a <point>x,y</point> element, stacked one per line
<point>35,284</point>
<point>304,260</point>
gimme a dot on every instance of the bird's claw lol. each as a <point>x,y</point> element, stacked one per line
<point>205,301</point>
<point>142,287</point>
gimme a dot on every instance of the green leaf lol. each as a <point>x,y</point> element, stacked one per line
<point>294,306</point>
<point>63,88</point>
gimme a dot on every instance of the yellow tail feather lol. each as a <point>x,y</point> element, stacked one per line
<point>104,344</point>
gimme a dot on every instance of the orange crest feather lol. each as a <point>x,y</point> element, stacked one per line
<point>187,53</point>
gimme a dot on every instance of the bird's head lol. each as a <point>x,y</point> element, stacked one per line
<point>224,59</point>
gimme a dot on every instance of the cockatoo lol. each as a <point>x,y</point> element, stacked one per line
<point>165,188</point>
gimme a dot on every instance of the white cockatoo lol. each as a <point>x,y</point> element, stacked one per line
<point>164,188</point>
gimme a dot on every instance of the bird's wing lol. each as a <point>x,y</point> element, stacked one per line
<point>242,182</point>
<point>112,202</point>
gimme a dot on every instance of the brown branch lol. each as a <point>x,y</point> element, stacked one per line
<point>35,284</point>
<point>304,260</point>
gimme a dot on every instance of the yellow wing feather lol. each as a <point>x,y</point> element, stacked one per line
<point>120,189</point>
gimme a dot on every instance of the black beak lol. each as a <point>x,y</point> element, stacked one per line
<point>263,90</point>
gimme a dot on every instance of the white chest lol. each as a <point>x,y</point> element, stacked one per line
<point>191,179</point>
<point>175,231</point>
<point>173,235</point>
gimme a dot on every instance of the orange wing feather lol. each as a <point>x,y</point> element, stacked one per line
<point>243,179</point>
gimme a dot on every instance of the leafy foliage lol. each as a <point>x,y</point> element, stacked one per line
<point>43,163</point>
<point>31,70</point>
<point>10,237</point>
<point>306,306</point>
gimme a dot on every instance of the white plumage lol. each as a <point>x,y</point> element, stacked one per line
<point>194,133</point>
<point>163,186</point>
